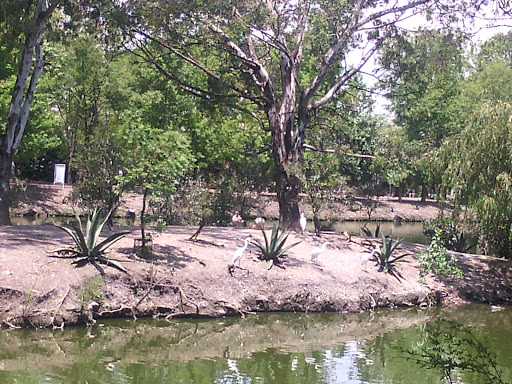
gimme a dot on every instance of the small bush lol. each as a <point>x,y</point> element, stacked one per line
<point>450,347</point>
<point>451,233</point>
<point>436,259</point>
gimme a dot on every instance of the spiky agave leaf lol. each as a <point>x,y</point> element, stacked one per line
<point>77,236</point>
<point>95,225</point>
<point>113,263</point>
<point>87,250</point>
<point>101,247</point>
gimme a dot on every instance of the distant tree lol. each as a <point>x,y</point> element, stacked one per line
<point>423,75</point>
<point>80,72</point>
<point>155,160</point>
<point>479,172</point>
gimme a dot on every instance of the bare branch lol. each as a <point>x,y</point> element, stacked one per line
<point>315,149</point>
<point>259,151</point>
<point>346,77</point>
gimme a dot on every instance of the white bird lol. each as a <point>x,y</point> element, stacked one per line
<point>259,223</point>
<point>237,220</point>
<point>237,256</point>
<point>366,257</point>
<point>315,252</point>
<point>303,222</point>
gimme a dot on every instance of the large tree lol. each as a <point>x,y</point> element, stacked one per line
<point>279,62</point>
<point>30,66</point>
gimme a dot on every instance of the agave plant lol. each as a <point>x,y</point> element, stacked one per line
<point>87,249</point>
<point>385,260</point>
<point>273,249</point>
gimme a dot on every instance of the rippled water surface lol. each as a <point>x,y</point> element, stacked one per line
<point>266,348</point>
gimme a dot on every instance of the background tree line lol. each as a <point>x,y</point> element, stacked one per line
<point>169,95</point>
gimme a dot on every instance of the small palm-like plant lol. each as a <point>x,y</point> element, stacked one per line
<point>87,249</point>
<point>385,260</point>
<point>273,249</point>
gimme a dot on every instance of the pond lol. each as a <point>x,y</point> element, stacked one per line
<point>408,231</point>
<point>265,348</point>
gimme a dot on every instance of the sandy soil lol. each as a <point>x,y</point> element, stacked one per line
<point>193,278</point>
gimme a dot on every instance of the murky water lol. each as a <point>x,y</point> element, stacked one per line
<point>266,348</point>
<point>408,231</point>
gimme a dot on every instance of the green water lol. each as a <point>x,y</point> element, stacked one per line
<point>266,348</point>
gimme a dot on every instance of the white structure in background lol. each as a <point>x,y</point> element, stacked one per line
<point>59,174</point>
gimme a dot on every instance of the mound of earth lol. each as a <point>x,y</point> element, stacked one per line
<point>194,278</point>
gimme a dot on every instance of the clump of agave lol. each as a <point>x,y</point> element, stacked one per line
<point>87,249</point>
<point>273,249</point>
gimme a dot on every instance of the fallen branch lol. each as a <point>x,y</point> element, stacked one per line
<point>58,309</point>
<point>10,325</point>
<point>119,310</point>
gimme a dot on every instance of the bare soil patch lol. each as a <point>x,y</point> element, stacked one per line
<point>186,278</point>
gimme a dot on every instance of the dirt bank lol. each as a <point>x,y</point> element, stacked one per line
<point>188,278</point>
<point>42,200</point>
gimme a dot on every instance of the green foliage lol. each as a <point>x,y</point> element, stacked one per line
<point>98,166</point>
<point>436,259</point>
<point>396,156</point>
<point>92,291</point>
<point>480,174</point>
<point>424,72</point>
<point>385,259</point>
<point>273,249</point>
<point>196,202</point>
<point>451,347</point>
<point>321,181</point>
<point>87,249</point>
<point>450,232</point>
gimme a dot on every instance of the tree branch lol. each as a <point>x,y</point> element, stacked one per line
<point>259,151</point>
<point>315,149</point>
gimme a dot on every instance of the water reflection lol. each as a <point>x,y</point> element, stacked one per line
<point>267,348</point>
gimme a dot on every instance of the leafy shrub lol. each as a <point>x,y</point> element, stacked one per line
<point>273,249</point>
<point>92,291</point>
<point>450,232</point>
<point>436,258</point>
<point>87,249</point>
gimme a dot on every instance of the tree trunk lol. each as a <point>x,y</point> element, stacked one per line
<point>143,216</point>
<point>424,193</point>
<point>287,188</point>
<point>5,175</point>
<point>22,96</point>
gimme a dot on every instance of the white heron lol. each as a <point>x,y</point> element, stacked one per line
<point>237,256</point>
<point>315,252</point>
<point>366,257</point>
<point>259,223</point>
<point>303,222</point>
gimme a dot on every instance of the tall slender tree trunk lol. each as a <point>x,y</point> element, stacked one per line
<point>5,176</point>
<point>31,66</point>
